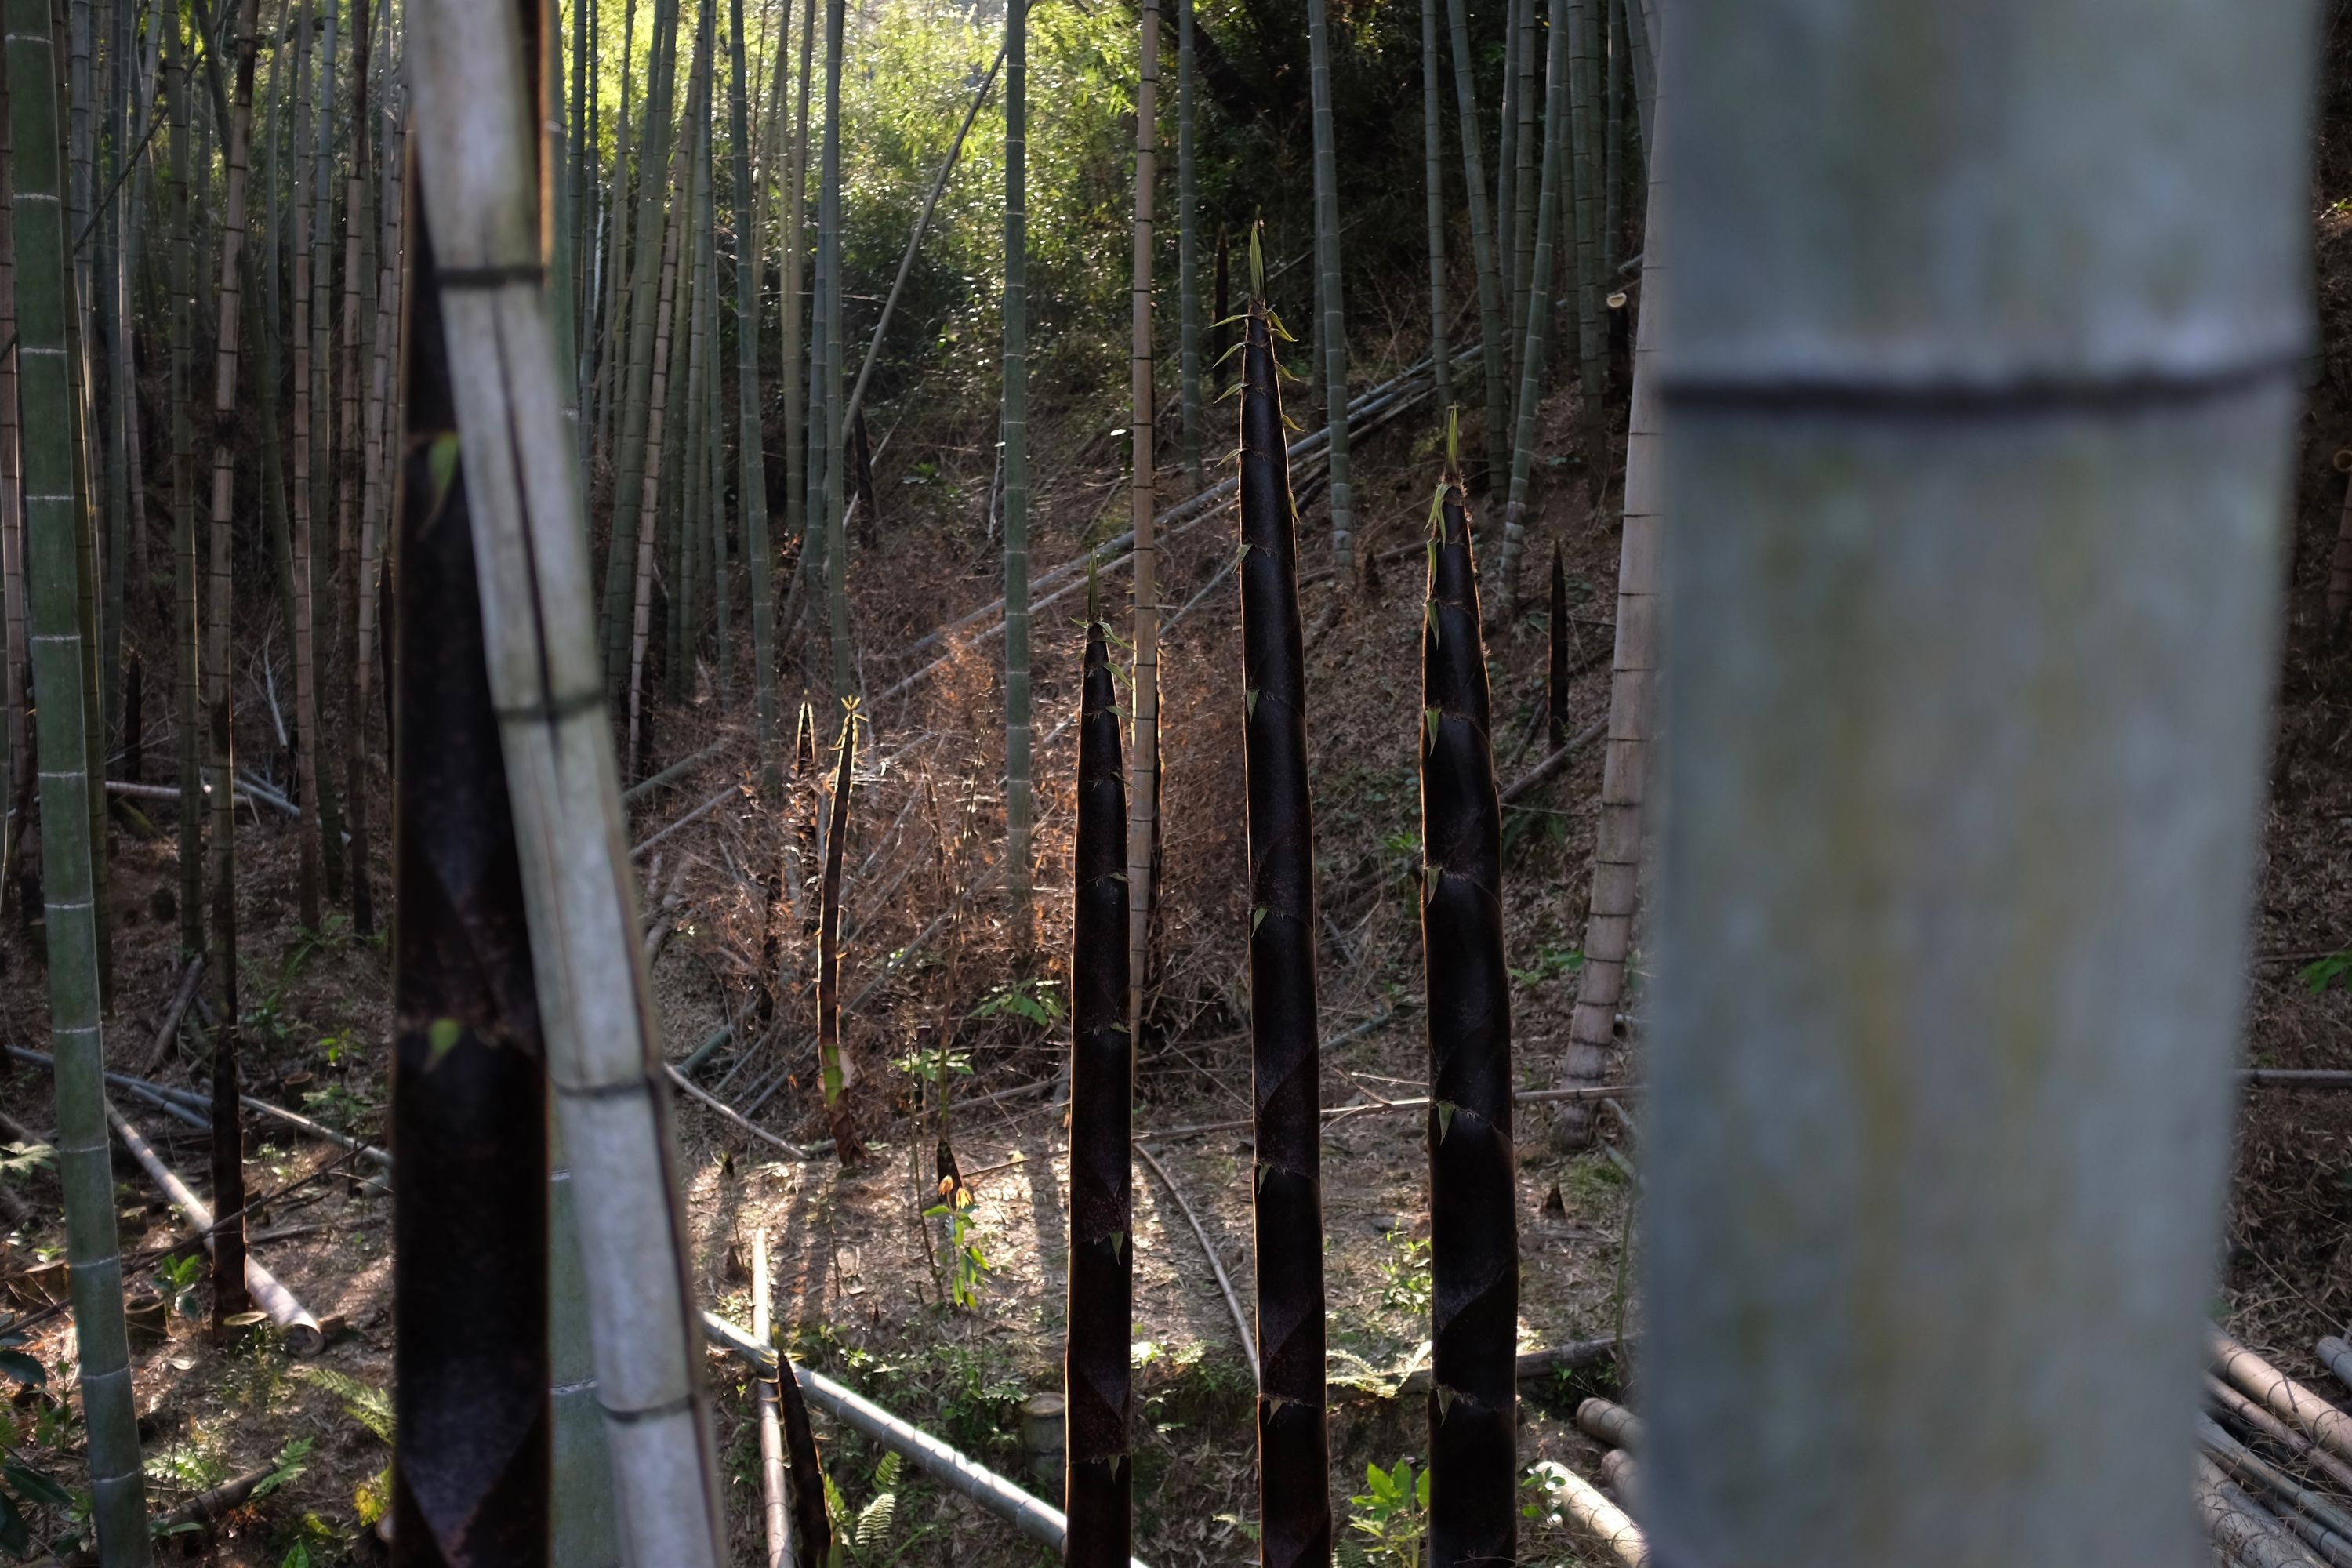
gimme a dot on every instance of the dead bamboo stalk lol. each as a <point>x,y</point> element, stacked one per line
<point>731,1115</point>
<point>2290,1401</point>
<point>301,1330</point>
<point>1623,1474</point>
<point>170,1030</point>
<point>2320,1525</point>
<point>1216,1264</point>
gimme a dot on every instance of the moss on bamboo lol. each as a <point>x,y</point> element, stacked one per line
<point>1294,1450</point>
<point>1096,1377</point>
<point>1474,1239</point>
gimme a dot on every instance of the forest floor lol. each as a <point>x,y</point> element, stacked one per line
<point>864,1282</point>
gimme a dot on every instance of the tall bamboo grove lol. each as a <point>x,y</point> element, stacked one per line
<point>1294,1450</point>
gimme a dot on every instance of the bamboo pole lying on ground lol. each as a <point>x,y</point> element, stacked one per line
<point>2240,1526</point>
<point>169,1030</point>
<point>956,1471</point>
<point>2290,1401</point>
<point>1618,1468</point>
<point>2254,1418</point>
<point>1604,1422</point>
<point>1216,1264</point>
<point>774,1513</point>
<point>164,1094</point>
<point>300,1328</point>
<point>2311,1516</point>
<point>1604,1519</point>
<point>2337,1354</point>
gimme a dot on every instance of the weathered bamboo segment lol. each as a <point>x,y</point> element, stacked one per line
<point>1603,1520</point>
<point>1294,1450</point>
<point>293,1321</point>
<point>1604,1422</point>
<point>1473,1209</point>
<point>1915,477</point>
<point>2240,1526</point>
<point>1622,1473</point>
<point>1096,1378</point>
<point>57,654</point>
<point>468,1105</point>
<point>2257,1420</point>
<point>2335,1354</point>
<point>2324,1526</point>
<point>2297,1403</point>
<point>1633,697</point>
<point>480,195</point>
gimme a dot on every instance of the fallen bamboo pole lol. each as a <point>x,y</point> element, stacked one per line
<point>1216,1264</point>
<point>2254,1418</point>
<point>952,1468</point>
<point>677,770</point>
<point>730,1114</point>
<point>775,1513</point>
<point>1603,1520</point>
<point>1624,1475</point>
<point>2322,1526</point>
<point>2290,1401</point>
<point>2242,1526</point>
<point>170,1029</point>
<point>171,793</point>
<point>699,812</point>
<point>301,1330</point>
<point>1532,1364</point>
<point>165,1098</point>
<point>1613,1424</point>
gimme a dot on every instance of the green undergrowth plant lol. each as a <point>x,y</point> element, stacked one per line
<point>34,1422</point>
<point>372,1408</point>
<point>1388,1521</point>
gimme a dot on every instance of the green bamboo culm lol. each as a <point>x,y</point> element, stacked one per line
<point>1517,256</point>
<point>1333,336</point>
<point>1565,14</point>
<point>470,1091</point>
<point>184,619</point>
<point>1097,1376</point>
<point>752,494</point>
<point>1188,247</point>
<point>1592,326</point>
<point>1019,803</point>
<point>85,1168</point>
<point>1494,349</point>
<point>1556,667</point>
<point>636,391</point>
<point>828,964</point>
<point>1294,1450</point>
<point>230,1297</point>
<point>1432,125</point>
<point>1472,1231</point>
<point>829,217</point>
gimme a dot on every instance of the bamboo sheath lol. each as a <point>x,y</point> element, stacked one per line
<point>480,197</point>
<point>300,1328</point>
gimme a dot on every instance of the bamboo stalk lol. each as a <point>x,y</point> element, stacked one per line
<point>1474,1230</point>
<point>1613,1424</point>
<point>1019,798</point>
<point>118,1485</point>
<point>2325,1527</point>
<point>480,197</point>
<point>1602,1519</point>
<point>1567,20</point>
<point>1433,129</point>
<point>751,261</point>
<point>833,1060</point>
<point>1333,336</point>
<point>301,1330</point>
<point>1294,1450</point>
<point>1883,551</point>
<point>1143,688</point>
<point>1493,318</point>
<point>1188,266</point>
<point>2240,1525</point>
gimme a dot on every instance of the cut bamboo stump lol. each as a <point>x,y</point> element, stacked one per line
<point>301,1330</point>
